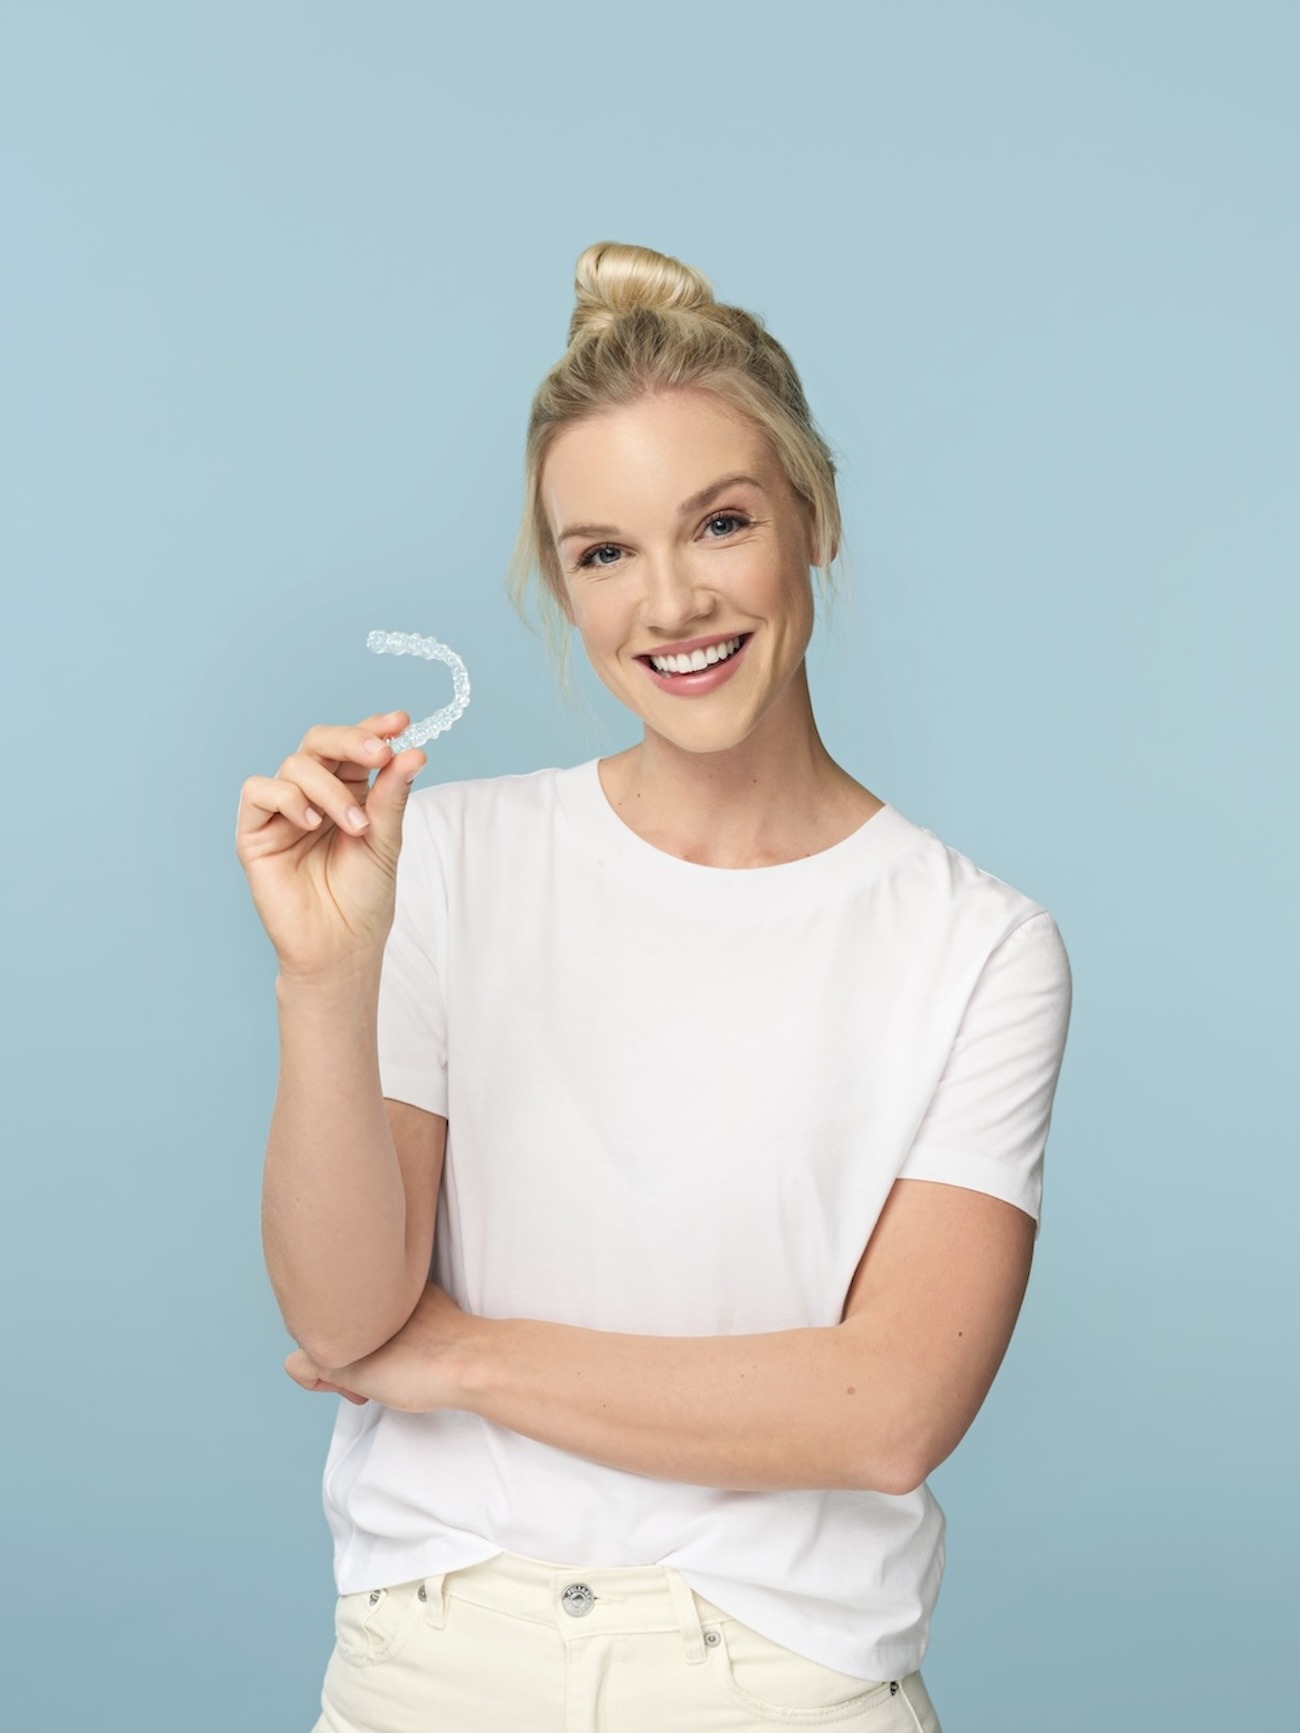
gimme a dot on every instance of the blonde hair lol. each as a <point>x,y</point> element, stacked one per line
<point>643,323</point>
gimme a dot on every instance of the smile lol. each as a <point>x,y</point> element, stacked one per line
<point>701,671</point>
<point>697,659</point>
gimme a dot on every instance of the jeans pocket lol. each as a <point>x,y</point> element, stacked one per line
<point>776,1684</point>
<point>374,1624</point>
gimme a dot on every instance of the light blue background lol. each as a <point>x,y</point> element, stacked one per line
<point>278,282</point>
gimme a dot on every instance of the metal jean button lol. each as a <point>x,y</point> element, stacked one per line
<point>577,1600</point>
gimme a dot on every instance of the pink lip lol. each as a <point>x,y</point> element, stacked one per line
<point>706,680</point>
<point>692,644</point>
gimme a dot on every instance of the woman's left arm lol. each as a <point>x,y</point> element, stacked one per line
<point>874,1402</point>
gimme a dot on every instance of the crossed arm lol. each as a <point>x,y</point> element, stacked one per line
<point>874,1402</point>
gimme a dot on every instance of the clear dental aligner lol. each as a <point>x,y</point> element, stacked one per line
<point>412,644</point>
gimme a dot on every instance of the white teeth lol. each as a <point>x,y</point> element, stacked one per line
<point>697,659</point>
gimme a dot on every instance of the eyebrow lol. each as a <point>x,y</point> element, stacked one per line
<point>687,506</point>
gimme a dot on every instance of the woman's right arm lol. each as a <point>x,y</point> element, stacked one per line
<point>350,1181</point>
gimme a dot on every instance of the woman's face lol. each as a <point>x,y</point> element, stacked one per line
<point>662,547</point>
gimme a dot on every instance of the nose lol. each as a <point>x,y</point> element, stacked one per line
<point>673,595</point>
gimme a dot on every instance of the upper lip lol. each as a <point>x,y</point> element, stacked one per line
<point>692,644</point>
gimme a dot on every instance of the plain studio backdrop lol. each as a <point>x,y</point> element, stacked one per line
<point>277,283</point>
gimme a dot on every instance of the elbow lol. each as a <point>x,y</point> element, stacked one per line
<point>331,1349</point>
<point>326,1352</point>
<point>895,1477</point>
<point>334,1341</point>
<point>900,1466</point>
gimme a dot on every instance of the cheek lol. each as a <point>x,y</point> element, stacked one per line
<point>602,622</point>
<point>787,588</point>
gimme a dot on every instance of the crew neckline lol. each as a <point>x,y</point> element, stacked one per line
<point>847,863</point>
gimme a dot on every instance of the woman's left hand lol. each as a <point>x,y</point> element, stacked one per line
<point>419,1369</point>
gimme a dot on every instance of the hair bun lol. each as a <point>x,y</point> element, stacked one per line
<point>611,279</point>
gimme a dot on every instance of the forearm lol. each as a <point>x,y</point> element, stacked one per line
<point>788,1409</point>
<point>333,1203</point>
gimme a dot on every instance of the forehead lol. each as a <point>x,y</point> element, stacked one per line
<point>650,454</point>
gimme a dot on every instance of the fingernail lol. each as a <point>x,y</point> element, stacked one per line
<point>313,817</point>
<point>357,818</point>
<point>374,744</point>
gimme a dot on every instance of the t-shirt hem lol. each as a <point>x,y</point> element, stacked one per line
<point>403,1083</point>
<point>890,1658</point>
<point>405,1566</point>
<point>974,1172</point>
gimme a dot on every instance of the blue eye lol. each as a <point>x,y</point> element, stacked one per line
<point>734,517</point>
<point>589,558</point>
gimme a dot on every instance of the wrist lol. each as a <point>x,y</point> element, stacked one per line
<point>350,982</point>
<point>471,1365</point>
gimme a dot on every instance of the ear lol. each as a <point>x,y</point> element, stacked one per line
<point>817,545</point>
<point>817,538</point>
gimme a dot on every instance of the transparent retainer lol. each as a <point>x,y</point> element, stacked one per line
<point>412,644</point>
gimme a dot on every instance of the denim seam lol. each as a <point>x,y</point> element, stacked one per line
<point>916,1719</point>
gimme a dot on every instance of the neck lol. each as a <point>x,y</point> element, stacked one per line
<point>776,796</point>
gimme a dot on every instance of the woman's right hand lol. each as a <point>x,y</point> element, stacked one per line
<point>324,885</point>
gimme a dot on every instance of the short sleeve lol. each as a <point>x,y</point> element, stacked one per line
<point>412,1028</point>
<point>987,1122</point>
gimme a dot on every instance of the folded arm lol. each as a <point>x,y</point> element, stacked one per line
<point>874,1402</point>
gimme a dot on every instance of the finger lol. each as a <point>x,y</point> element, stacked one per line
<point>349,754</point>
<point>389,794</point>
<point>323,1385</point>
<point>302,1369</point>
<point>307,1376</point>
<point>338,743</point>
<point>262,799</point>
<point>337,797</point>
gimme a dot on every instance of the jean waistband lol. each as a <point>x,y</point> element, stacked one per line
<point>577,1601</point>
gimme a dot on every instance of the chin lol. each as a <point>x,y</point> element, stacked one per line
<point>702,739</point>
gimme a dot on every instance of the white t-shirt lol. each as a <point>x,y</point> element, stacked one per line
<point>677,1097</point>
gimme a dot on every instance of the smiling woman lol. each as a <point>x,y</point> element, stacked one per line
<point>677,582</point>
<point>740,1081</point>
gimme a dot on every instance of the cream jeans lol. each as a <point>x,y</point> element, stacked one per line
<point>516,1645</point>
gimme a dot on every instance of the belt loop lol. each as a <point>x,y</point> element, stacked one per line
<point>688,1616</point>
<point>431,1591</point>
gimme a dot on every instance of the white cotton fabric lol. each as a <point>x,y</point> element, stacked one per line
<point>678,1097</point>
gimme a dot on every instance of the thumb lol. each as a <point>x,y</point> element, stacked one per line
<point>389,793</point>
<point>302,1368</point>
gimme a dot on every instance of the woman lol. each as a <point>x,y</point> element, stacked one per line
<point>741,1080</point>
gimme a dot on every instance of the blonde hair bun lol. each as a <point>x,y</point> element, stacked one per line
<point>611,279</point>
